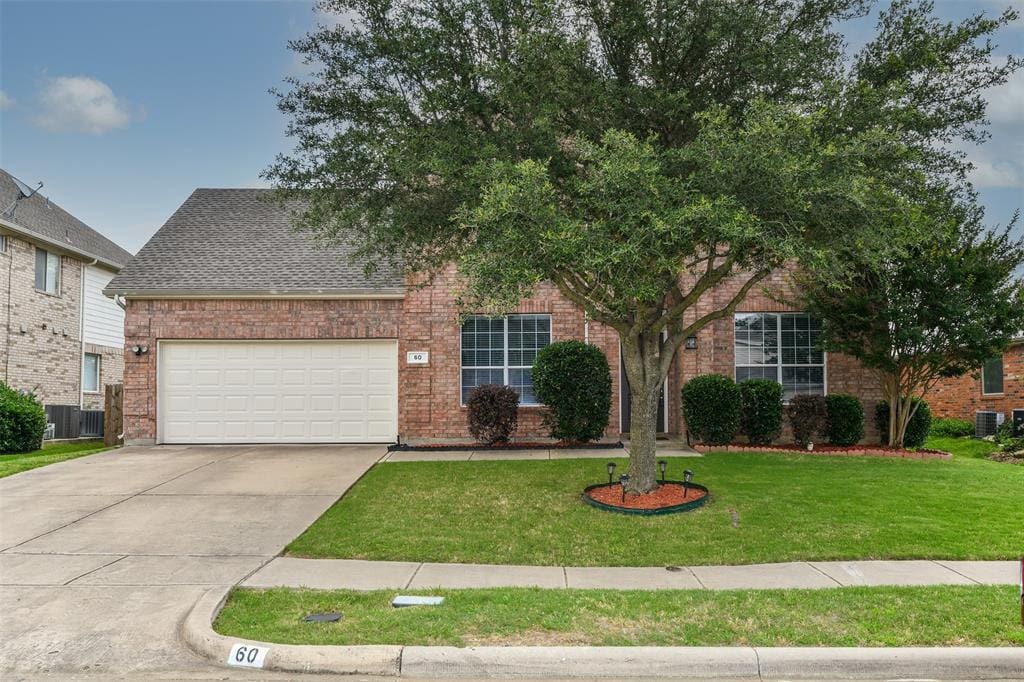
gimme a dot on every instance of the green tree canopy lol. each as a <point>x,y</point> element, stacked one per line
<point>636,153</point>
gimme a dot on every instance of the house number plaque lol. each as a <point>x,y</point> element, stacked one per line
<point>417,357</point>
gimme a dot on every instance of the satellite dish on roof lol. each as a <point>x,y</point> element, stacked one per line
<point>25,190</point>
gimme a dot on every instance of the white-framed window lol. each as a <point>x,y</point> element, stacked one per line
<point>47,271</point>
<point>501,350</point>
<point>91,373</point>
<point>992,376</point>
<point>781,347</point>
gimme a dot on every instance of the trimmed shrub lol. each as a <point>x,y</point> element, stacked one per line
<point>22,421</point>
<point>493,412</point>
<point>572,380</point>
<point>808,416</point>
<point>761,410</point>
<point>917,429</point>
<point>845,419</point>
<point>711,407</point>
<point>951,428</point>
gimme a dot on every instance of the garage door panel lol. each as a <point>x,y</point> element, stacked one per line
<point>277,391</point>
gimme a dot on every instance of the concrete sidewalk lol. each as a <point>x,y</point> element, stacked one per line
<point>665,449</point>
<point>382,575</point>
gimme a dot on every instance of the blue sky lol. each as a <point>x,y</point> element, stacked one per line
<point>177,99</point>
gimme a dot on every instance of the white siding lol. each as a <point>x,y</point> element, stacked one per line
<point>104,319</point>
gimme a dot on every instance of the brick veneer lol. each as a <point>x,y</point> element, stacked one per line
<point>147,321</point>
<point>427,320</point>
<point>961,397</point>
<point>45,357</point>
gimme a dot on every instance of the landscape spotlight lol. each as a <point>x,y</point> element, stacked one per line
<point>624,480</point>
<point>611,471</point>
<point>662,464</point>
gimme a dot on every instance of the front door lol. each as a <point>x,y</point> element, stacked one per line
<point>624,398</point>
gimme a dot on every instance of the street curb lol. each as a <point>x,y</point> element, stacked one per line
<point>196,631</point>
<point>793,663</point>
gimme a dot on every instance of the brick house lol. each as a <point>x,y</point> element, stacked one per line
<point>62,338</point>
<point>997,387</point>
<point>238,329</point>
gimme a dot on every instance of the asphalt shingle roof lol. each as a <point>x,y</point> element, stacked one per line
<point>239,242</point>
<point>37,215</point>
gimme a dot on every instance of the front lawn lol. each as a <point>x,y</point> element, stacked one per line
<point>849,616</point>
<point>48,454</point>
<point>765,508</point>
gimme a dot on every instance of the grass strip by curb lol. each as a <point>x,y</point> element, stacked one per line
<point>847,617</point>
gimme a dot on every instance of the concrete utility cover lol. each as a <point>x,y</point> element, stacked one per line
<point>401,601</point>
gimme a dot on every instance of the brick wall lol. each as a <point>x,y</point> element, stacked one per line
<point>40,346</point>
<point>961,397</point>
<point>111,372</point>
<point>427,320</point>
<point>429,404</point>
<point>715,348</point>
<point>146,322</point>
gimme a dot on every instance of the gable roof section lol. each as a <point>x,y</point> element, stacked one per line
<point>237,243</point>
<point>40,220</point>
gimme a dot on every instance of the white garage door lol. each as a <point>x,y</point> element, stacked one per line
<point>277,392</point>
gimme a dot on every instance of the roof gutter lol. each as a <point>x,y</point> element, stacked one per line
<point>213,294</point>
<point>24,231</point>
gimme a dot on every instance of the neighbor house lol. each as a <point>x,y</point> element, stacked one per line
<point>239,330</point>
<point>62,338</point>
<point>988,396</point>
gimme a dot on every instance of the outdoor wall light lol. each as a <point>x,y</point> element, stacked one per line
<point>691,343</point>
<point>662,465</point>
<point>624,480</point>
<point>139,350</point>
<point>611,471</point>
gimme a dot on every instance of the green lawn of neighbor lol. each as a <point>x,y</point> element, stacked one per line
<point>849,616</point>
<point>48,454</point>
<point>764,508</point>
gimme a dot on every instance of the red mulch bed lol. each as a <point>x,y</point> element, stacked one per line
<point>666,495</point>
<point>834,450</point>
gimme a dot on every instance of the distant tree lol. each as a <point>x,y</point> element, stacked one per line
<point>634,153</point>
<point>944,305</point>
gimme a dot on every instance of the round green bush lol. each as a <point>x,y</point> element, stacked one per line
<point>22,421</point>
<point>917,429</point>
<point>572,380</point>
<point>711,407</point>
<point>845,419</point>
<point>951,428</point>
<point>492,413</point>
<point>761,410</point>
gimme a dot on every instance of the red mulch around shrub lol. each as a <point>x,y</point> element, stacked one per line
<point>666,495</point>
<point>852,450</point>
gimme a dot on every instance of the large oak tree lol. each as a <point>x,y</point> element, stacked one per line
<point>634,153</point>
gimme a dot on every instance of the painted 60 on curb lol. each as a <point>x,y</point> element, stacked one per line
<point>247,655</point>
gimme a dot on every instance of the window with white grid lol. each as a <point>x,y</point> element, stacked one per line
<point>781,347</point>
<point>501,350</point>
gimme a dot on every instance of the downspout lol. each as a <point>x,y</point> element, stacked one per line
<point>81,336</point>
<point>586,328</point>
<point>122,303</point>
<point>10,279</point>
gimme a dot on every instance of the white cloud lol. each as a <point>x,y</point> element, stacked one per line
<point>80,104</point>
<point>997,173</point>
<point>1006,102</point>
<point>6,102</point>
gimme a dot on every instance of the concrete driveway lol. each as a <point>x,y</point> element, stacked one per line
<point>101,557</point>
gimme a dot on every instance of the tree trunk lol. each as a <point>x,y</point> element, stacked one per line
<point>641,358</point>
